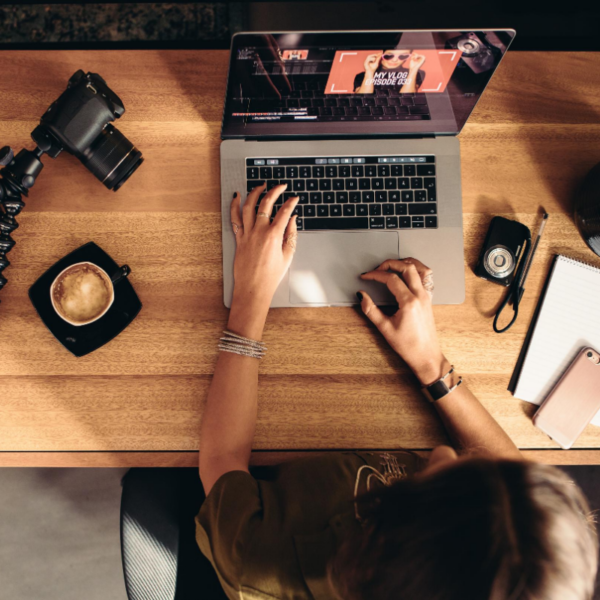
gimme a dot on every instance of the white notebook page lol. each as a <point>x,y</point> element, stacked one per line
<point>569,320</point>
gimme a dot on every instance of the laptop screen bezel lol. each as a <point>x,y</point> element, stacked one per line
<point>333,129</point>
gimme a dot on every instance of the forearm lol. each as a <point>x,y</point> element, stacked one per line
<point>412,334</point>
<point>469,425</point>
<point>229,417</point>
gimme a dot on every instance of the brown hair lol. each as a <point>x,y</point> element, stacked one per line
<point>478,530</point>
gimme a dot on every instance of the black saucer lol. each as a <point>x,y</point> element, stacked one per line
<point>86,338</point>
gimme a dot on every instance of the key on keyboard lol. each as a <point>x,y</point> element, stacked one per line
<point>349,193</point>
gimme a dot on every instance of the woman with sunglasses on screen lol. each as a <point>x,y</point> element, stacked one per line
<point>398,69</point>
<point>473,522</point>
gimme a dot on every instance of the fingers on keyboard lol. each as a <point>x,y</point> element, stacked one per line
<point>351,193</point>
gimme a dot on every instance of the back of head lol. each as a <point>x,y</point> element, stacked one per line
<point>478,530</point>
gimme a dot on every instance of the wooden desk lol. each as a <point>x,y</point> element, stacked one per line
<point>329,381</point>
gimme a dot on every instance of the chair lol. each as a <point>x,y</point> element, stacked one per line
<point>161,560</point>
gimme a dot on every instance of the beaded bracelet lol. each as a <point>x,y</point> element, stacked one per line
<point>237,344</point>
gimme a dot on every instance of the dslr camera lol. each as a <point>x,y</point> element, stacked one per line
<point>79,121</point>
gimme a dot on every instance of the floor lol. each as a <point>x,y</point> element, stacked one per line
<point>60,532</point>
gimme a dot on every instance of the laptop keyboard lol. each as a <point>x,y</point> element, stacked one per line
<point>386,192</point>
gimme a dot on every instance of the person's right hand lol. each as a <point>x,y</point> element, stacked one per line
<point>372,62</point>
<point>411,330</point>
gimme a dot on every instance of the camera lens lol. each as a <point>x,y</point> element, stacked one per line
<point>499,262</point>
<point>112,158</point>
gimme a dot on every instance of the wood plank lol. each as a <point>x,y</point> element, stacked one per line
<point>158,413</point>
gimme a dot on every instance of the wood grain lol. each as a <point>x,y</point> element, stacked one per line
<point>328,381</point>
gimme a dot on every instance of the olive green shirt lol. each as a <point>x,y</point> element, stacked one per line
<point>270,535</point>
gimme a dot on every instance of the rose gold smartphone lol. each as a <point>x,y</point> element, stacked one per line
<point>573,401</point>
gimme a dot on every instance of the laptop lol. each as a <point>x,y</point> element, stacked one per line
<point>362,126</point>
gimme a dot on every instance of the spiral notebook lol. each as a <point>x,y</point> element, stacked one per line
<point>568,319</point>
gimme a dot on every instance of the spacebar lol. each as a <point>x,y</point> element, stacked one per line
<point>334,223</point>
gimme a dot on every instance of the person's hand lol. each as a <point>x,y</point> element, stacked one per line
<point>415,61</point>
<point>411,330</point>
<point>263,253</point>
<point>372,63</point>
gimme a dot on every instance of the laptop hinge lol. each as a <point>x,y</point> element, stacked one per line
<point>279,138</point>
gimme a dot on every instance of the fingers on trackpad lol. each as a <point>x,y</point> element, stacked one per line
<point>327,266</point>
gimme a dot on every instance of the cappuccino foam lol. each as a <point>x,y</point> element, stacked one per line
<point>82,293</point>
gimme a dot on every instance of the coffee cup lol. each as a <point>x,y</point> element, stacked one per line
<point>82,293</point>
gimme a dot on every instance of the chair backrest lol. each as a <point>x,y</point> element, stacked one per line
<point>161,560</point>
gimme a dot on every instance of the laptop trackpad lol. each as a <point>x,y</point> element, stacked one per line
<point>327,266</point>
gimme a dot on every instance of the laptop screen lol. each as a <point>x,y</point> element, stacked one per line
<point>358,83</point>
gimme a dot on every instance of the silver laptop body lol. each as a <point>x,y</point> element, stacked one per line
<point>327,264</point>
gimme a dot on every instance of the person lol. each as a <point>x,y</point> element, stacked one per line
<point>399,69</point>
<point>472,522</point>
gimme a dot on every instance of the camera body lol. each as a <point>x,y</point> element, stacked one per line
<point>76,118</point>
<point>79,121</point>
<point>476,53</point>
<point>502,250</point>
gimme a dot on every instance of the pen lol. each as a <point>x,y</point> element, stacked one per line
<point>530,258</point>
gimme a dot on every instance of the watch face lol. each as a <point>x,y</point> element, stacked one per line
<point>443,386</point>
<point>436,390</point>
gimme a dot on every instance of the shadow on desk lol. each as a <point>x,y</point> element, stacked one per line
<point>557,104</point>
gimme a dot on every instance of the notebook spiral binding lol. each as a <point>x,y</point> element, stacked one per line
<point>581,262</point>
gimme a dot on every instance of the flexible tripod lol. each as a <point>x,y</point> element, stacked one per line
<point>17,176</point>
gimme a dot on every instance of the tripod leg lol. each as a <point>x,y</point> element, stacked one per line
<point>11,205</point>
<point>16,177</point>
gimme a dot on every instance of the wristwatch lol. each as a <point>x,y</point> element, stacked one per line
<point>438,389</point>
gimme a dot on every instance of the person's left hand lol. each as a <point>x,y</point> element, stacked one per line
<point>264,249</point>
<point>415,61</point>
